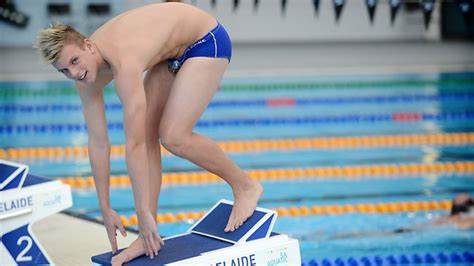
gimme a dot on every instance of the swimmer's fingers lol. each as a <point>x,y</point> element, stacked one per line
<point>112,239</point>
<point>112,223</point>
<point>160,240</point>
<point>147,228</point>
<point>112,235</point>
<point>150,246</point>
<point>121,228</point>
<point>154,243</point>
<point>145,246</point>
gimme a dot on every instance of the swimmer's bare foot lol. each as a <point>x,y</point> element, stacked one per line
<point>246,197</point>
<point>133,251</point>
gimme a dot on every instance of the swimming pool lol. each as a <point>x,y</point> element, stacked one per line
<point>346,160</point>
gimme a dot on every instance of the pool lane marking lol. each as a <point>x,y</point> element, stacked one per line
<point>248,146</point>
<point>396,117</point>
<point>298,199</point>
<point>431,257</point>
<point>315,173</point>
<point>298,211</point>
<point>267,102</point>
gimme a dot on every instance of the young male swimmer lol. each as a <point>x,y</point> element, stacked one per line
<point>184,53</point>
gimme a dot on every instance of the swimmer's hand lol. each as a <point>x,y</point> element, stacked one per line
<point>112,223</point>
<point>148,232</point>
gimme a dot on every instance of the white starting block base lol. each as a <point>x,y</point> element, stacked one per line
<point>206,243</point>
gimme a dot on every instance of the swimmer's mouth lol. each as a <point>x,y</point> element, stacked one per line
<point>83,76</point>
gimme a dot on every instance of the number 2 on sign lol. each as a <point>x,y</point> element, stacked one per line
<point>29,242</point>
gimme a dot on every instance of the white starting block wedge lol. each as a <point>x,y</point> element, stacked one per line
<point>206,243</point>
<point>25,199</point>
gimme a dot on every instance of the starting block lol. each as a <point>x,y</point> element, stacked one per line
<point>25,199</point>
<point>206,243</point>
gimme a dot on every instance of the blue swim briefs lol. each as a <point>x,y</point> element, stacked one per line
<point>216,44</point>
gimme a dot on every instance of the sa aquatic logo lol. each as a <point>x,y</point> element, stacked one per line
<point>280,260</point>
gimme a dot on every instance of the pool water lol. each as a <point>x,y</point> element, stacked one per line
<point>48,114</point>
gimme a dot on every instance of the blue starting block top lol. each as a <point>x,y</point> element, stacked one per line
<point>175,249</point>
<point>212,224</point>
<point>206,235</point>
<point>12,175</point>
<point>15,176</point>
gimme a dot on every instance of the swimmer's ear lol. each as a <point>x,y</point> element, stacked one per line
<point>89,45</point>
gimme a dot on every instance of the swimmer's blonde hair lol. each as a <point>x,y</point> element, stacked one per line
<point>51,41</point>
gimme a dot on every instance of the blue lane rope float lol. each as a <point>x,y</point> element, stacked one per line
<point>466,257</point>
<point>395,117</point>
<point>15,108</point>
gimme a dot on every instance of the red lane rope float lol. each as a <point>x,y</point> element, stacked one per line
<point>281,102</point>
<point>407,117</point>
<point>265,145</point>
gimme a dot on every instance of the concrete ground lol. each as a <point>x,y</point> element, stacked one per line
<point>72,241</point>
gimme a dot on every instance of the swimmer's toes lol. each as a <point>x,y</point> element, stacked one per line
<point>230,224</point>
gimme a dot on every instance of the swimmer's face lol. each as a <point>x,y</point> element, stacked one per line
<point>78,63</point>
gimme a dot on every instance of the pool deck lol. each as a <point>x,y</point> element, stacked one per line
<point>72,241</point>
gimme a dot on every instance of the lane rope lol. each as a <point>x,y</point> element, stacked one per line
<point>435,258</point>
<point>271,102</point>
<point>273,121</point>
<point>298,211</point>
<point>451,139</point>
<point>316,173</point>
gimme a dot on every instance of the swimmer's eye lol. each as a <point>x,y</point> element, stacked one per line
<point>74,60</point>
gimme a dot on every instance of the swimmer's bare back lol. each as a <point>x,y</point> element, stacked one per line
<point>151,34</point>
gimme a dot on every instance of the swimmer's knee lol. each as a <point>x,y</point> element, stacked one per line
<point>152,140</point>
<point>174,142</point>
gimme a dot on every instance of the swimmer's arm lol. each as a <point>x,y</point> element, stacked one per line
<point>129,84</point>
<point>378,233</point>
<point>460,221</point>
<point>98,144</point>
<point>466,223</point>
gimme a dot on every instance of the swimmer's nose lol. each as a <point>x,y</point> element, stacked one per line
<point>74,74</point>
